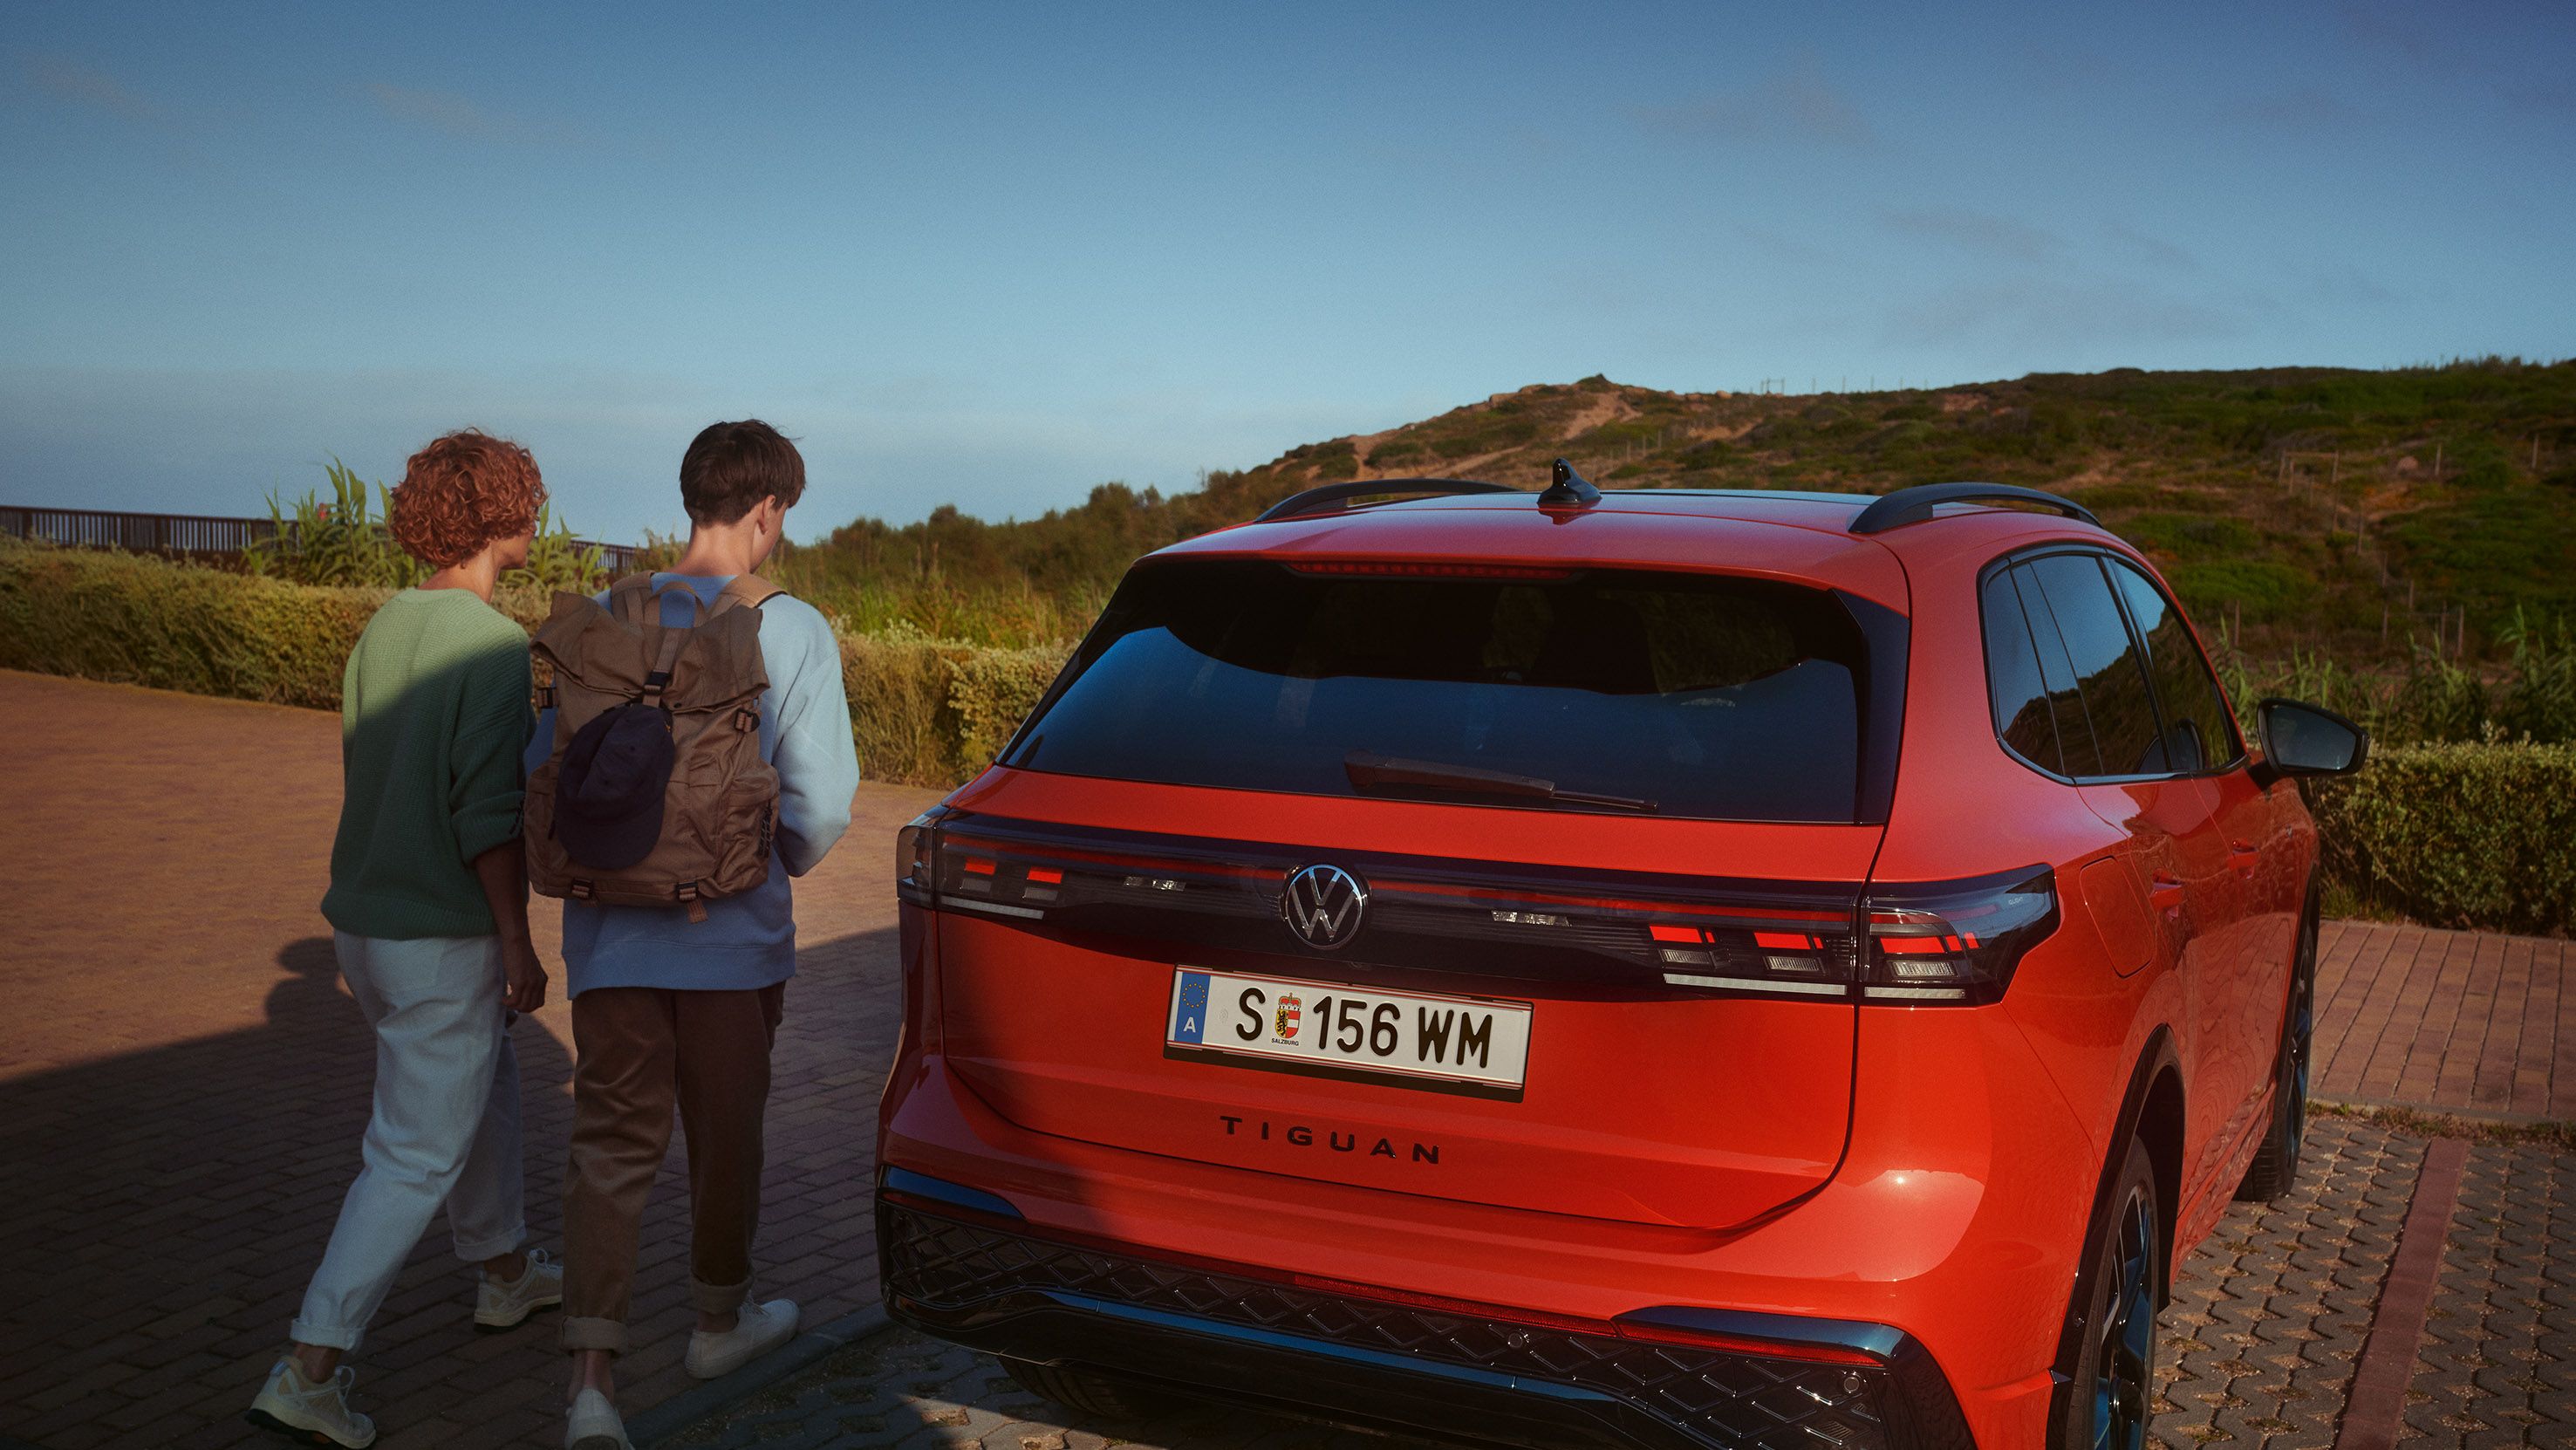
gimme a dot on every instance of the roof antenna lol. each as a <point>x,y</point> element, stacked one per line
<point>1569,491</point>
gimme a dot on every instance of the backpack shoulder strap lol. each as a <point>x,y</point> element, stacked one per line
<point>749,591</point>
<point>628,596</point>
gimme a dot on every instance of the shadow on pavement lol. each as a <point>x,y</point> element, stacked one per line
<point>165,1207</point>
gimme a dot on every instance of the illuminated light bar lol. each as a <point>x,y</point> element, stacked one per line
<point>1756,984</point>
<point>979,866</point>
<point>1045,875</point>
<point>1691,934</point>
<point>1425,569</point>
<point>995,907</point>
<point>1786,941</point>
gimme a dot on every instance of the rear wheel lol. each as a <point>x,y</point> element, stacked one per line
<point>1081,1390</point>
<point>2113,1388</point>
<point>2276,1163</point>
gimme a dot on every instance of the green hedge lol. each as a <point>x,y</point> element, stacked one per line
<point>2477,835</point>
<point>926,712</point>
<point>146,621</point>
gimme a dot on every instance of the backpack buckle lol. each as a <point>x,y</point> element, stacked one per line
<point>686,893</point>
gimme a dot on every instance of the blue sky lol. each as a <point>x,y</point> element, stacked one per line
<point>993,255</point>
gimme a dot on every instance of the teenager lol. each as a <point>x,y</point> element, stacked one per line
<point>678,1006</point>
<point>429,913</point>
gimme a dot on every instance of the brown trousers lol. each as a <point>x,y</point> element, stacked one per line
<point>642,1050</point>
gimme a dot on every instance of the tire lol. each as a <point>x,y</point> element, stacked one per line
<point>2111,1393</point>
<point>1082,1391</point>
<point>2276,1164</point>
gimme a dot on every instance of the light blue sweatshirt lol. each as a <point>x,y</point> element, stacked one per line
<point>747,941</point>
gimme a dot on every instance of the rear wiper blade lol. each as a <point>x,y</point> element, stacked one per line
<point>1369,770</point>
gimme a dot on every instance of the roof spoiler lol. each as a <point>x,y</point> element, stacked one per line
<point>1313,499</point>
<point>1914,505</point>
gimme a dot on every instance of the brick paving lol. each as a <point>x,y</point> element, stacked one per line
<point>182,1087</point>
<point>183,1082</point>
<point>2454,1020</point>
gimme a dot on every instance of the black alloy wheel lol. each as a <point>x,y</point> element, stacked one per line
<point>2109,1390</point>
<point>2124,1357</point>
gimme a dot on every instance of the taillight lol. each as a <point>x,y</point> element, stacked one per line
<point>1954,942</point>
<point>916,858</point>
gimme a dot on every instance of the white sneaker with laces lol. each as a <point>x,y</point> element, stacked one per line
<point>314,1413</point>
<point>499,1306</point>
<point>592,1424</point>
<point>759,1329</point>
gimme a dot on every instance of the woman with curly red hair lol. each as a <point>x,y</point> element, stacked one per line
<point>429,910</point>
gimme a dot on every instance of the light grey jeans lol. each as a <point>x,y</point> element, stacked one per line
<point>445,1130</point>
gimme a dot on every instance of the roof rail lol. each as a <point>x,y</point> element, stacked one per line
<point>1914,505</point>
<point>1313,499</point>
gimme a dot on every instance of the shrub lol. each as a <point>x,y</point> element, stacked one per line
<point>2479,834</point>
<point>335,543</point>
<point>173,626</point>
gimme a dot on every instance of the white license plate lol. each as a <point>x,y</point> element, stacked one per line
<point>1468,1045</point>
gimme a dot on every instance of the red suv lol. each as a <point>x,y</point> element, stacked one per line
<point>1664,968</point>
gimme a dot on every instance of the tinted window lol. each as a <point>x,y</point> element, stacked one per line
<point>2057,674</point>
<point>2198,734</point>
<point>2107,670</point>
<point>1707,697</point>
<point>2022,713</point>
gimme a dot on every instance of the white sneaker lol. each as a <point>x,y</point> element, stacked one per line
<point>315,1414</point>
<point>499,1306</point>
<point>592,1424</point>
<point>760,1329</point>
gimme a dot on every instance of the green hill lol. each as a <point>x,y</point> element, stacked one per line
<point>2321,507</point>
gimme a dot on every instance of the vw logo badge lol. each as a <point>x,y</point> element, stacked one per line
<point>1322,905</point>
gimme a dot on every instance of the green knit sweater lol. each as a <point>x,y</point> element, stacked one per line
<point>434,711</point>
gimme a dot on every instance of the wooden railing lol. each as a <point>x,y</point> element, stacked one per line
<point>194,535</point>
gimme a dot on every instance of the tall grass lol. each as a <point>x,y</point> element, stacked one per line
<point>2433,697</point>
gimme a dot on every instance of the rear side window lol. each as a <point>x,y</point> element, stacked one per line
<point>2198,733</point>
<point>1680,695</point>
<point>2024,717</point>
<point>2102,660</point>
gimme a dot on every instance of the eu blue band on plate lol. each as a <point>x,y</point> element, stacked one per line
<point>1189,1015</point>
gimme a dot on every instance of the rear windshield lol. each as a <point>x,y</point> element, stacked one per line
<point>1670,694</point>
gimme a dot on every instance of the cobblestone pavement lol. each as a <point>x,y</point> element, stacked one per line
<point>183,1081</point>
<point>2270,1315</point>
<point>2258,1347</point>
<point>2498,1361</point>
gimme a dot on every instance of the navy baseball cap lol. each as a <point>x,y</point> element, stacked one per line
<point>608,797</point>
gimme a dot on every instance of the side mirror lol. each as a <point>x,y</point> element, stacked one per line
<point>2306,740</point>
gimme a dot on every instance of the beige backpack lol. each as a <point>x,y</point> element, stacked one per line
<point>655,793</point>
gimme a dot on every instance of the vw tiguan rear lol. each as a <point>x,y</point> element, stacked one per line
<point>1654,969</point>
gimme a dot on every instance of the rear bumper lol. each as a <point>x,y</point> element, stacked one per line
<point>957,1264</point>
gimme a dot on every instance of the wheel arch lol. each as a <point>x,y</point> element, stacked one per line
<point>2151,1111</point>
